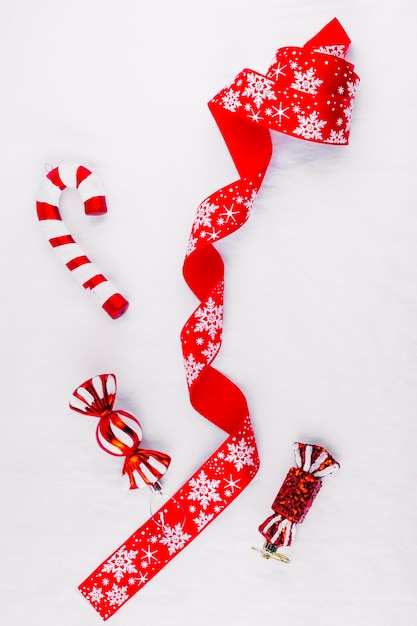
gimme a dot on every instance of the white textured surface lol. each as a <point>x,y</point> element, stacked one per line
<point>320,319</point>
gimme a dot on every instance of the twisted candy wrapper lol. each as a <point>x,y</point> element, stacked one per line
<point>119,433</point>
<point>297,493</point>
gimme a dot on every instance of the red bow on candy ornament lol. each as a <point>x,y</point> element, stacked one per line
<point>119,433</point>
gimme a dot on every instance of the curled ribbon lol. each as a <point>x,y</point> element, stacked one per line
<point>296,495</point>
<point>119,433</point>
<point>307,92</point>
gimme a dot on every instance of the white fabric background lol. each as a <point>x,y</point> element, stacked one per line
<point>320,318</point>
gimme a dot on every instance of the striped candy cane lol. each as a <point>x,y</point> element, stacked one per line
<point>84,271</point>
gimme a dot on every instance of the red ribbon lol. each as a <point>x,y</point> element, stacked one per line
<point>307,92</point>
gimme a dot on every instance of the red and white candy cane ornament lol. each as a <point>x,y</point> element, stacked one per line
<point>73,175</point>
<point>119,433</point>
<point>295,497</point>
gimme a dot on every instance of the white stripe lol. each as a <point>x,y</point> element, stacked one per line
<point>133,424</point>
<point>147,473</point>
<point>84,272</point>
<point>285,525</point>
<point>103,292</point>
<point>48,192</point>
<point>108,446</point>
<point>297,455</point>
<point>68,252</point>
<point>327,470</point>
<point>138,479</point>
<point>76,403</point>
<point>90,187</point>
<point>54,228</point>
<point>98,386</point>
<point>272,521</point>
<point>122,436</point>
<point>307,460</point>
<point>159,467</point>
<point>82,391</point>
<point>68,174</point>
<point>320,459</point>
<point>111,384</point>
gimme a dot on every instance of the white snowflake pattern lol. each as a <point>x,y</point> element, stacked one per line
<point>203,214</point>
<point>310,126</point>
<point>142,578</point>
<point>204,490</point>
<point>240,454</point>
<point>231,100</point>
<point>192,243</point>
<point>249,202</point>
<point>192,368</point>
<point>337,136</point>
<point>259,88</point>
<point>211,350</point>
<point>174,538</point>
<point>306,81</point>
<point>336,50</point>
<point>348,114</point>
<point>121,563</point>
<point>96,594</point>
<point>231,485</point>
<point>117,595</point>
<point>210,318</point>
<point>202,520</point>
<point>352,86</point>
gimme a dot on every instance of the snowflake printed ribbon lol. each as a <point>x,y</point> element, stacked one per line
<point>307,92</point>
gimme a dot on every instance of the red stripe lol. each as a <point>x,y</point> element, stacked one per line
<point>53,176</point>
<point>47,211</point>
<point>96,205</point>
<point>93,282</point>
<point>61,241</point>
<point>116,305</point>
<point>82,174</point>
<point>79,260</point>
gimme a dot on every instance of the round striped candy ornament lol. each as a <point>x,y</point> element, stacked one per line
<point>75,176</point>
<point>119,433</point>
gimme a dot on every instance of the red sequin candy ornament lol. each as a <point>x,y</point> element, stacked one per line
<point>120,433</point>
<point>295,497</point>
<point>75,176</point>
